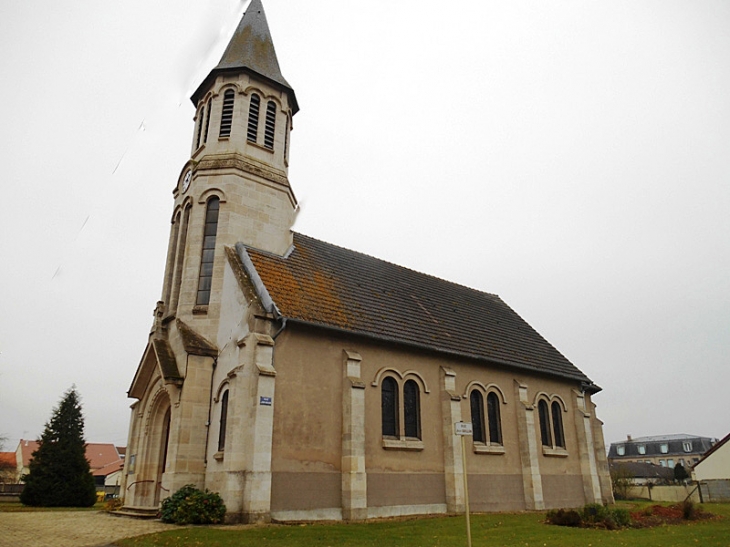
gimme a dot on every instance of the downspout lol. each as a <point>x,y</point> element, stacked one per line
<point>210,409</point>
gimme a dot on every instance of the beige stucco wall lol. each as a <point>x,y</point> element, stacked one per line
<point>306,451</point>
<point>716,466</point>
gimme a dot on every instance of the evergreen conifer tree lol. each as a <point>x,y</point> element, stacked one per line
<point>60,475</point>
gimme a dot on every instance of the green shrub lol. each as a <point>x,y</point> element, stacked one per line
<point>621,516</point>
<point>564,517</point>
<point>192,506</point>
<point>594,513</point>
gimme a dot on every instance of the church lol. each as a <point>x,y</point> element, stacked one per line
<point>305,381</point>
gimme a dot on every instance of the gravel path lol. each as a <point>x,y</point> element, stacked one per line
<point>71,529</point>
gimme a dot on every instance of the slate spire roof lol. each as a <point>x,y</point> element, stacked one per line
<point>324,285</point>
<point>251,48</point>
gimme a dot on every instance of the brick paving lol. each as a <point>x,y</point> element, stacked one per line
<point>71,529</point>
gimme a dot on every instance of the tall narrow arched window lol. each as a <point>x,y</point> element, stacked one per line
<point>476,402</point>
<point>495,425</point>
<point>252,133</point>
<point>207,123</point>
<point>545,437</point>
<point>222,423</point>
<point>286,139</point>
<point>411,409</point>
<point>270,125</point>
<point>171,254</point>
<point>558,424</point>
<point>180,259</point>
<point>201,120</point>
<point>205,277</point>
<point>389,405</point>
<point>227,113</point>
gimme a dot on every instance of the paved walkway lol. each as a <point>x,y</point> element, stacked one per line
<point>71,529</point>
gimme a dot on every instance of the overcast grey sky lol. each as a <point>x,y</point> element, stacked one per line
<point>571,157</point>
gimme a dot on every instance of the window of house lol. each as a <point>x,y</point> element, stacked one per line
<point>663,463</point>
<point>223,422</point>
<point>621,450</point>
<point>664,448</point>
<point>687,446</point>
<point>641,448</point>
<point>270,125</point>
<point>227,113</point>
<point>252,133</point>
<point>205,277</point>
<point>670,463</point>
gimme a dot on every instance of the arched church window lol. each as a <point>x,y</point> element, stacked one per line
<point>558,424</point>
<point>494,419</point>
<point>227,113</point>
<point>253,118</point>
<point>223,421</point>
<point>180,259</point>
<point>205,277</point>
<point>207,123</point>
<point>545,436</point>
<point>270,125</point>
<point>201,119</point>
<point>389,405</point>
<point>411,409</point>
<point>476,402</point>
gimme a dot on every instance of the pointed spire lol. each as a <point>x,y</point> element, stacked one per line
<point>251,48</point>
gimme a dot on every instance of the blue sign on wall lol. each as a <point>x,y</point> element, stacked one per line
<point>265,401</point>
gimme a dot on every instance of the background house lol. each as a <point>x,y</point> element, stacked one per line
<point>662,450</point>
<point>713,472</point>
<point>105,461</point>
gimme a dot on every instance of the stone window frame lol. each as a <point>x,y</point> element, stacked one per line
<point>401,441</point>
<point>687,446</point>
<point>487,445</point>
<point>227,112</point>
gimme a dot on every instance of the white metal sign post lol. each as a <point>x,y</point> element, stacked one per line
<point>462,430</point>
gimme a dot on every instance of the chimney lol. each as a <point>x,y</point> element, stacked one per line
<point>628,438</point>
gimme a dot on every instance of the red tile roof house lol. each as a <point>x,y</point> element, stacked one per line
<point>104,460</point>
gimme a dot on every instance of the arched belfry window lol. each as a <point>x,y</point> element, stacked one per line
<point>223,422</point>
<point>389,404</point>
<point>270,125</point>
<point>205,277</point>
<point>252,132</point>
<point>207,123</point>
<point>227,113</point>
<point>201,120</point>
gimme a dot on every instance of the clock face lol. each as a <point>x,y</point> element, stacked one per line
<point>186,181</point>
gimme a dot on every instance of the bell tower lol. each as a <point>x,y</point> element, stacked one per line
<point>235,186</point>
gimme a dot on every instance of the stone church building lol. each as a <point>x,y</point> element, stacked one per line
<point>302,380</point>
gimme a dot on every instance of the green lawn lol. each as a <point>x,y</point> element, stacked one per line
<point>503,530</point>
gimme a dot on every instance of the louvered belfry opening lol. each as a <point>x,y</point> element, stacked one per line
<point>253,118</point>
<point>227,114</point>
<point>207,123</point>
<point>270,125</point>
